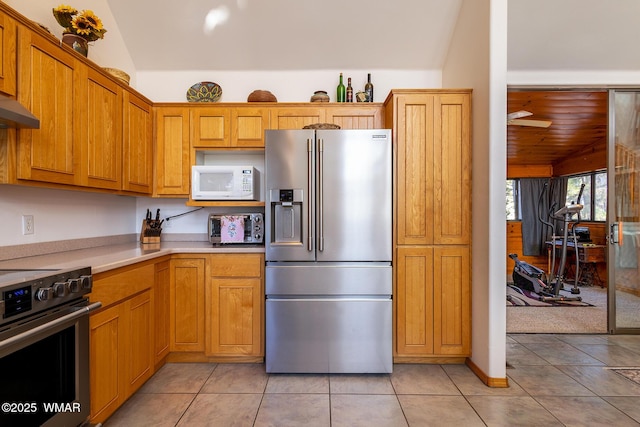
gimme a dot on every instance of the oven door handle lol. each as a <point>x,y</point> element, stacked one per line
<point>83,311</point>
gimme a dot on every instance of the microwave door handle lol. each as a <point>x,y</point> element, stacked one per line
<point>320,195</point>
<point>309,188</point>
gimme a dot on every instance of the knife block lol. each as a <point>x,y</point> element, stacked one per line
<point>150,232</point>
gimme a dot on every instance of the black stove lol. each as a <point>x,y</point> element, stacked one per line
<point>25,293</point>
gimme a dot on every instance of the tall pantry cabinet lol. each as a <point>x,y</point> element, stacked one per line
<point>432,227</point>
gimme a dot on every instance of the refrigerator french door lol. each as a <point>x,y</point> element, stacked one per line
<point>328,279</point>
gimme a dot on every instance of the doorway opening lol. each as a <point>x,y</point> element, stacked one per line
<point>572,149</point>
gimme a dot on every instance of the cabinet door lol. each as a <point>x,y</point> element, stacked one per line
<point>210,127</point>
<point>414,301</point>
<point>414,166</point>
<point>138,356</point>
<point>100,129</point>
<point>8,35</point>
<point>248,125</point>
<point>161,315</point>
<point>235,305</point>
<point>295,117</point>
<point>187,304</point>
<point>107,342</point>
<point>137,151</point>
<point>452,301</point>
<point>452,170</point>
<point>355,117</point>
<point>173,167</point>
<point>48,89</point>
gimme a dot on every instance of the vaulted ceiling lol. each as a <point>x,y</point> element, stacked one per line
<point>285,34</point>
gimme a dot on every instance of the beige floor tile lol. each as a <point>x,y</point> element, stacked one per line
<point>534,338</point>
<point>585,411</point>
<point>152,410</point>
<point>611,355</point>
<point>470,385</point>
<point>179,378</point>
<point>298,383</point>
<point>562,353</point>
<point>582,339</point>
<point>279,410</point>
<point>547,381</point>
<point>518,354</point>
<point>228,410</point>
<point>422,379</point>
<point>237,378</point>
<point>362,410</point>
<point>630,405</point>
<point>521,411</point>
<point>361,384</point>
<point>422,410</point>
<point>601,381</point>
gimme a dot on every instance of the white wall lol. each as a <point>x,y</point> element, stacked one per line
<point>62,214</point>
<point>482,24</point>
<point>287,86</point>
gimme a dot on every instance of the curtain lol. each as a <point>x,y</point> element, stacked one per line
<point>536,203</point>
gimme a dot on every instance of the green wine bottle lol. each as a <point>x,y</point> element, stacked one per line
<point>368,88</point>
<point>341,91</point>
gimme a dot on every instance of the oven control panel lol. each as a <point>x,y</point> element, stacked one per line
<point>38,291</point>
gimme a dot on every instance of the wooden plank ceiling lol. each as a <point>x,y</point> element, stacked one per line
<point>579,123</point>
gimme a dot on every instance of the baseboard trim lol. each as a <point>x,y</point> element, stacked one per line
<point>201,357</point>
<point>487,380</point>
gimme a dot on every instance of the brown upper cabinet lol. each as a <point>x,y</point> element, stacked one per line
<point>52,153</point>
<point>173,156</point>
<point>137,145</point>
<point>228,127</point>
<point>8,67</point>
<point>95,133</point>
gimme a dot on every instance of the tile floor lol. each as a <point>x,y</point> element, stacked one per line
<point>554,380</point>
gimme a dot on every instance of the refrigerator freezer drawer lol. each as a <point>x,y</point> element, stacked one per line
<point>329,335</point>
<point>289,278</point>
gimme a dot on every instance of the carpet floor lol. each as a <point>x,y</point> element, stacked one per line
<point>562,320</point>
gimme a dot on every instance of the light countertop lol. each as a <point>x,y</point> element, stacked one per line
<point>105,258</point>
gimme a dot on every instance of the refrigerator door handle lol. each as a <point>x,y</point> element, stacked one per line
<point>320,195</point>
<point>309,194</point>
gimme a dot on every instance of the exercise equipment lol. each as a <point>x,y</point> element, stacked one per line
<point>532,278</point>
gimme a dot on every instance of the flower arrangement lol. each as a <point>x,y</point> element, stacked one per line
<point>84,24</point>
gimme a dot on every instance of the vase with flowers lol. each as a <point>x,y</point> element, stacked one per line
<point>80,28</point>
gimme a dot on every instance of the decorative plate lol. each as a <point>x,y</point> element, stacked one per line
<point>204,92</point>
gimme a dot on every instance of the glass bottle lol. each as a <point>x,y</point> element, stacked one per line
<point>349,90</point>
<point>341,91</point>
<point>368,88</point>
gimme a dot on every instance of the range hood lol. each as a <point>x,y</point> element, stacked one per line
<point>13,114</point>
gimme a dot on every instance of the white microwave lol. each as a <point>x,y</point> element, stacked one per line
<point>209,182</point>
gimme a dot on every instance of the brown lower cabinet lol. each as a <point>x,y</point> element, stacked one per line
<point>184,307</point>
<point>121,338</point>
<point>234,309</point>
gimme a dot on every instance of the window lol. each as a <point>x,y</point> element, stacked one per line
<point>594,195</point>
<point>513,199</point>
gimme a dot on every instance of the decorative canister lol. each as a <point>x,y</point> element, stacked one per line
<point>320,96</point>
<point>77,43</point>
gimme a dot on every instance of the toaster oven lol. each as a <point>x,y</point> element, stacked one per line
<point>237,228</point>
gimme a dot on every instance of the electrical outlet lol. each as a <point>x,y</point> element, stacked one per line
<point>28,224</point>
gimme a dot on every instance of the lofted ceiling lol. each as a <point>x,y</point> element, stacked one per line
<point>579,123</point>
<point>166,35</point>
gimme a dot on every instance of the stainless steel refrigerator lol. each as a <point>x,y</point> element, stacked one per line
<point>328,280</point>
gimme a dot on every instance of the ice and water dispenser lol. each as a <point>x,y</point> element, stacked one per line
<point>287,216</point>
